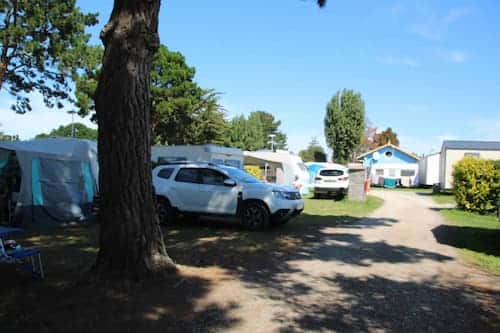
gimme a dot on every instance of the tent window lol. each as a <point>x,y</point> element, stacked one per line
<point>88,181</point>
<point>36,187</point>
<point>62,182</point>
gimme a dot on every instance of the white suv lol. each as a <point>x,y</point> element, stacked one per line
<point>331,181</point>
<point>199,188</point>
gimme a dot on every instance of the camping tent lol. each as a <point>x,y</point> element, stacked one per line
<point>58,179</point>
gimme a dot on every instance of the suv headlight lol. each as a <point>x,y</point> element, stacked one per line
<point>287,195</point>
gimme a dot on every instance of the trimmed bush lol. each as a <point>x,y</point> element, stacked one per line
<point>254,170</point>
<point>474,184</point>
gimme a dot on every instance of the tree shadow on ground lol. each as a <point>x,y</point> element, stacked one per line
<point>266,261</point>
<point>63,303</point>
<point>378,303</point>
<point>480,240</point>
<point>226,244</point>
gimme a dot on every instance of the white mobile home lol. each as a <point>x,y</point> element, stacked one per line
<point>428,169</point>
<point>453,151</point>
<point>391,163</point>
<point>207,153</point>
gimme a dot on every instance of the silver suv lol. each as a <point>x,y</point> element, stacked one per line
<point>201,188</point>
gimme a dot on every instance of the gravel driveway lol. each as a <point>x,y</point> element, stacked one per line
<point>384,273</point>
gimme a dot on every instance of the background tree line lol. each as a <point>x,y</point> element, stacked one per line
<point>182,111</point>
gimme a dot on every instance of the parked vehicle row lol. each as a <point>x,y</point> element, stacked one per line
<point>202,188</point>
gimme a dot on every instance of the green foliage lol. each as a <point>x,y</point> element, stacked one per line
<point>474,183</point>
<point>81,132</point>
<point>43,45</point>
<point>252,133</point>
<point>476,236</point>
<point>254,170</point>
<point>246,134</point>
<point>6,137</point>
<point>183,112</point>
<point>86,81</point>
<point>385,137</point>
<point>344,124</point>
<point>270,126</point>
<point>313,153</point>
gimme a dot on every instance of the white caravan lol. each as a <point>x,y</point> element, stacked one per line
<point>280,167</point>
<point>198,153</point>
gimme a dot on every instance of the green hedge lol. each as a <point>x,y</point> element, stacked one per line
<point>476,183</point>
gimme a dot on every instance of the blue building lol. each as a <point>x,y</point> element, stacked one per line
<point>391,162</point>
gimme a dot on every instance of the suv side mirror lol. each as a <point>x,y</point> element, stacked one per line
<point>229,183</point>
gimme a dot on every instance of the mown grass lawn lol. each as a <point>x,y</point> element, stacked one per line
<point>342,207</point>
<point>199,247</point>
<point>478,237</point>
<point>446,198</point>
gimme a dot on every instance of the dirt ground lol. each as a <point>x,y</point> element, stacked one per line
<point>385,272</point>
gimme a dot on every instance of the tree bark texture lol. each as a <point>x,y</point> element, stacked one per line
<point>130,238</point>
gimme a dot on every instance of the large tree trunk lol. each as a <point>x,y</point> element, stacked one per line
<point>130,239</point>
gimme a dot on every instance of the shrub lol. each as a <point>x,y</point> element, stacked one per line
<point>495,193</point>
<point>474,184</point>
<point>254,170</point>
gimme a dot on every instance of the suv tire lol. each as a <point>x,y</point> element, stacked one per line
<point>165,211</point>
<point>255,215</point>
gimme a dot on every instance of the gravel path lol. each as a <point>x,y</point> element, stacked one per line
<point>385,273</point>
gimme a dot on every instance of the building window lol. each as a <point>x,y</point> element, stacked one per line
<point>388,154</point>
<point>379,172</point>
<point>392,172</point>
<point>475,155</point>
<point>407,173</point>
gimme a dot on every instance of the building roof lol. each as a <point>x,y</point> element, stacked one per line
<point>392,146</point>
<point>473,145</point>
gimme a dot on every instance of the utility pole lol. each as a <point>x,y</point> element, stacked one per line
<point>72,113</point>
<point>271,141</point>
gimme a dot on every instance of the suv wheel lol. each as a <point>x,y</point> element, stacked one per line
<point>166,214</point>
<point>255,215</point>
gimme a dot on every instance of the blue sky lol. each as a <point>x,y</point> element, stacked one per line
<point>428,69</point>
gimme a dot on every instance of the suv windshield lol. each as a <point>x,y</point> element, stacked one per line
<point>239,175</point>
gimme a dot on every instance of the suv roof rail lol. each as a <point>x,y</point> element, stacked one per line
<point>184,162</point>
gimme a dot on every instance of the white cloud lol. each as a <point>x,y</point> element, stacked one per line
<point>424,144</point>
<point>434,26</point>
<point>455,56</point>
<point>487,128</point>
<point>402,61</point>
